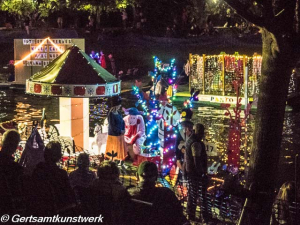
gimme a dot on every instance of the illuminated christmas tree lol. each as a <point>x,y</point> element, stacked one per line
<point>161,116</point>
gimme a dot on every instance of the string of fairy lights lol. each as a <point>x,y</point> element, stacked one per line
<point>161,134</point>
<point>214,74</point>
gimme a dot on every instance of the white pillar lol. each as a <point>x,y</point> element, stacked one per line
<point>74,120</point>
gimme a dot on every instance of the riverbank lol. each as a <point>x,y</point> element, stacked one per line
<point>136,50</point>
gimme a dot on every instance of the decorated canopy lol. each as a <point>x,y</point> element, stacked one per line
<point>73,74</point>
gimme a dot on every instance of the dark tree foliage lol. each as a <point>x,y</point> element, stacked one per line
<point>163,14</point>
<point>278,21</point>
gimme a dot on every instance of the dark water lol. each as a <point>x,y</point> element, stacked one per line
<point>14,104</point>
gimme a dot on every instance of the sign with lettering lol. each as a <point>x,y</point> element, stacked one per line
<point>204,98</point>
<point>45,63</point>
<point>40,56</point>
<point>31,55</point>
<point>211,149</point>
<point>44,49</point>
<point>33,63</point>
<point>56,49</point>
<point>53,55</point>
<point>223,99</point>
<point>28,41</point>
<point>218,99</point>
<point>38,49</point>
<point>62,41</point>
<point>39,41</point>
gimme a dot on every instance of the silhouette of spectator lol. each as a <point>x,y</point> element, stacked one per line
<point>10,173</point>
<point>27,24</point>
<point>112,65</point>
<point>137,20</point>
<point>195,30</point>
<point>169,32</point>
<point>91,26</point>
<point>205,29</point>
<point>281,212</point>
<point>60,22</point>
<point>195,168</point>
<point>53,192</point>
<point>110,195</point>
<point>33,152</point>
<point>124,18</point>
<point>166,209</point>
<point>184,17</point>
<point>82,177</point>
<point>102,60</point>
<point>179,150</point>
<point>143,20</point>
<point>211,28</point>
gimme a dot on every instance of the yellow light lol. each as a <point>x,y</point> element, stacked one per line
<point>26,57</point>
<point>217,179</point>
<point>32,52</point>
<point>56,46</point>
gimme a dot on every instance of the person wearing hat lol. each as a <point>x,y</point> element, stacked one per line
<point>186,115</point>
<point>116,129</point>
<point>165,207</point>
<point>195,168</point>
<point>134,131</point>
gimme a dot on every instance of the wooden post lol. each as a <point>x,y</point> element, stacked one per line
<point>245,73</point>
<point>191,63</point>
<point>223,74</point>
<point>203,77</point>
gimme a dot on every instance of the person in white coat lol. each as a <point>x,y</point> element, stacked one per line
<point>134,130</point>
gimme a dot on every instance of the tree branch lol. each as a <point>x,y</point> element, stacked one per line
<point>244,12</point>
<point>285,18</point>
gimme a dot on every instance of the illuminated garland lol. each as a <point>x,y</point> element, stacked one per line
<point>160,68</point>
<point>141,101</point>
<point>151,125</point>
<point>152,112</point>
<point>214,74</point>
<point>188,103</point>
<point>170,133</point>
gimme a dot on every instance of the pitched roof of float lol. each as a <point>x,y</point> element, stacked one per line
<point>73,67</point>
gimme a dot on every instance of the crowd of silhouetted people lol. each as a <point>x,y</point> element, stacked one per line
<point>48,190</point>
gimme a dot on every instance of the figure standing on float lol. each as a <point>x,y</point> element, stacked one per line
<point>116,130</point>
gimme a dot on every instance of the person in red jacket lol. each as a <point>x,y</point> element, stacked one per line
<point>102,60</point>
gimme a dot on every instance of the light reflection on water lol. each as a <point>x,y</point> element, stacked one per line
<point>14,104</point>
